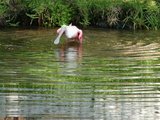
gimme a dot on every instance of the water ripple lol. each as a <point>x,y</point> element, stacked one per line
<point>113,76</point>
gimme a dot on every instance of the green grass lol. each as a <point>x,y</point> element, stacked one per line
<point>121,14</point>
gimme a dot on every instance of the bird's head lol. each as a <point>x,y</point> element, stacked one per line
<point>63,26</point>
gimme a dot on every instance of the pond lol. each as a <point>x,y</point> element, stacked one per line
<point>113,75</point>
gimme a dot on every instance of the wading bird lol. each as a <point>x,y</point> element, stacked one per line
<point>71,32</point>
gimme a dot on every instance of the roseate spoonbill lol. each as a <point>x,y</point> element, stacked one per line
<point>71,32</point>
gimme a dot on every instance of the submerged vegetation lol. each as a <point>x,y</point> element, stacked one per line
<point>121,14</point>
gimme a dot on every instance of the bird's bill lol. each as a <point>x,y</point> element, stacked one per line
<point>57,40</point>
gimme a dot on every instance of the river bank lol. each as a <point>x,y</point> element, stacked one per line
<point>117,14</point>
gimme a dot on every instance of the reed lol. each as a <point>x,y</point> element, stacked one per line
<point>121,14</point>
<point>3,9</point>
<point>48,12</point>
<point>141,14</point>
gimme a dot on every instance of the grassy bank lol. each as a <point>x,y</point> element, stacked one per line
<point>121,14</point>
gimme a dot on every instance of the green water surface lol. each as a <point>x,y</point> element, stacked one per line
<point>113,75</point>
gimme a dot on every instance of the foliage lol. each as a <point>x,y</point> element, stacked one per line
<point>124,14</point>
<point>48,12</point>
<point>141,14</point>
<point>13,12</point>
<point>3,9</point>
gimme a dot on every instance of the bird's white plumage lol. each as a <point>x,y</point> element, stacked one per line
<point>71,31</point>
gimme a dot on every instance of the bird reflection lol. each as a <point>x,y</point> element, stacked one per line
<point>70,56</point>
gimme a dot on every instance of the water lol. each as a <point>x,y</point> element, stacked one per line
<point>114,75</point>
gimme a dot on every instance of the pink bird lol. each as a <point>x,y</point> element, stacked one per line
<point>71,32</point>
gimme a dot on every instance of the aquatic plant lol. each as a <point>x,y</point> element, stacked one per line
<point>3,10</point>
<point>13,12</point>
<point>141,14</point>
<point>83,10</point>
<point>153,14</point>
<point>48,12</point>
<point>123,14</point>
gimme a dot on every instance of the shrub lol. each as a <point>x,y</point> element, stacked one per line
<point>49,12</point>
<point>124,14</point>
